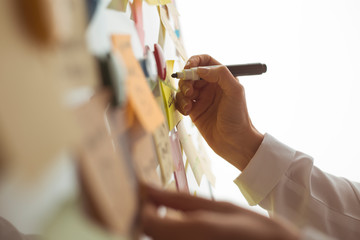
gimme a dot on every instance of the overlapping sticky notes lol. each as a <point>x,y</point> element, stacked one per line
<point>204,158</point>
<point>118,5</point>
<point>191,153</point>
<point>169,29</point>
<point>163,149</point>
<point>158,2</point>
<point>167,88</point>
<point>105,176</point>
<point>179,174</point>
<point>144,155</point>
<point>137,16</point>
<point>139,93</point>
<point>175,16</point>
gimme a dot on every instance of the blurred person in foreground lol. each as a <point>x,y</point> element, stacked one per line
<point>303,202</point>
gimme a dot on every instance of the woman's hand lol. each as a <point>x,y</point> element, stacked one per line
<point>217,106</point>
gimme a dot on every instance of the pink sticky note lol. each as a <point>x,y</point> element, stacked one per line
<point>137,14</point>
<point>179,174</point>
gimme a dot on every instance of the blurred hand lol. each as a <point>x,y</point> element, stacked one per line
<point>206,219</point>
<point>217,106</point>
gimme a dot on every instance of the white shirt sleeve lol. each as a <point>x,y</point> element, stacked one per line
<point>285,182</point>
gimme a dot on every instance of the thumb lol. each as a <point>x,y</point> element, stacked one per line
<point>220,75</point>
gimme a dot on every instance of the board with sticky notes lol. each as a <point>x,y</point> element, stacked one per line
<point>88,114</point>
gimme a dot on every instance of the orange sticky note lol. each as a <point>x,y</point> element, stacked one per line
<point>140,95</point>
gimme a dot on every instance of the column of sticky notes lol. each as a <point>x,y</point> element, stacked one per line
<point>79,130</point>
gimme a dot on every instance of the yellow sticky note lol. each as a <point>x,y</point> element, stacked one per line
<point>173,116</point>
<point>118,5</point>
<point>162,32</point>
<point>158,2</point>
<point>139,93</point>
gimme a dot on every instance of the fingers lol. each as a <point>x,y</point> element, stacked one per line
<point>220,75</point>
<point>184,98</point>
<point>201,60</point>
<point>186,202</point>
<point>169,228</point>
<point>183,104</point>
<point>186,87</point>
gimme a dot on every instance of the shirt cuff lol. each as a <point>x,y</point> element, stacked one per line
<point>265,169</point>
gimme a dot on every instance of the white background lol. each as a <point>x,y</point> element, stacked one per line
<point>309,98</point>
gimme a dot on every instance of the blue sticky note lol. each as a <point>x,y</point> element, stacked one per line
<point>177,32</point>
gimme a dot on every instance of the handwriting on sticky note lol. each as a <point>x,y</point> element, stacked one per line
<point>140,96</point>
<point>173,116</point>
<point>105,175</point>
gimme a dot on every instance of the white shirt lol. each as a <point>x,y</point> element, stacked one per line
<point>285,182</point>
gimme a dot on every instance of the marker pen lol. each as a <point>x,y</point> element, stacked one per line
<point>236,70</point>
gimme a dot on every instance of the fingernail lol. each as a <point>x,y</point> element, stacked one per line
<point>186,91</point>
<point>188,63</point>
<point>186,106</point>
<point>203,70</point>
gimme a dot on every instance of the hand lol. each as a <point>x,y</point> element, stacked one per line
<point>206,219</point>
<point>217,106</point>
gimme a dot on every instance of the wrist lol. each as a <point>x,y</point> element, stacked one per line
<point>246,148</point>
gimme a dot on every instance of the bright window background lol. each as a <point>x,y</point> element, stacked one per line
<point>309,98</point>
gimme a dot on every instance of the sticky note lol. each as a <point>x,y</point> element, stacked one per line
<point>162,31</point>
<point>205,160</point>
<point>139,93</point>
<point>74,64</point>
<point>191,153</point>
<point>118,5</point>
<point>175,17</point>
<point>179,174</point>
<point>118,76</point>
<point>137,15</point>
<point>120,121</point>
<point>173,116</point>
<point>169,29</point>
<point>158,2</point>
<point>143,155</point>
<point>163,149</point>
<point>105,176</point>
